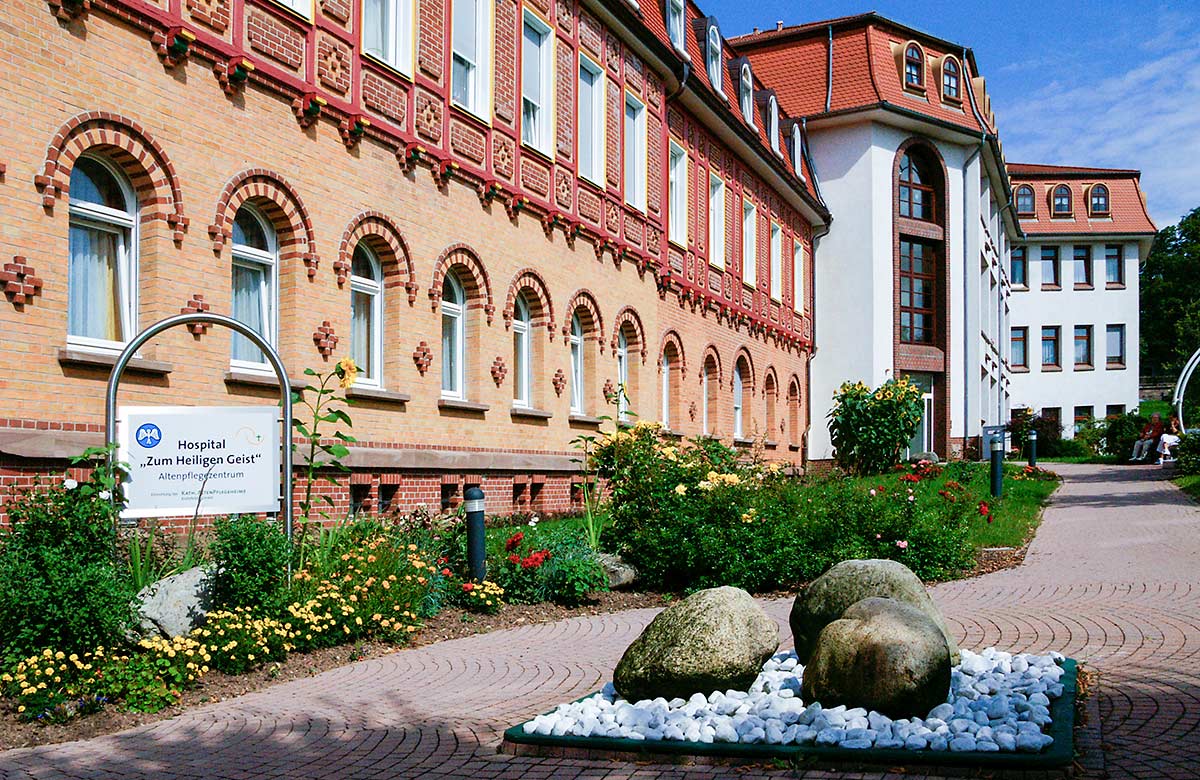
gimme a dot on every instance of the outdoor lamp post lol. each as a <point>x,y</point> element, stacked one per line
<point>997,465</point>
<point>476,549</point>
<point>1032,447</point>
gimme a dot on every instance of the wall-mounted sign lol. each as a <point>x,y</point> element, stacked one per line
<point>225,457</point>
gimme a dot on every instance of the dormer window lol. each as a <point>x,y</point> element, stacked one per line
<point>798,150</point>
<point>1061,201</point>
<point>773,123</point>
<point>1025,200</point>
<point>914,67</point>
<point>746,94</point>
<point>950,80</point>
<point>675,23</point>
<point>714,58</point>
<point>1099,200</point>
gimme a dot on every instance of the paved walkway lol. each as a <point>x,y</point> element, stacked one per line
<point>1113,578</point>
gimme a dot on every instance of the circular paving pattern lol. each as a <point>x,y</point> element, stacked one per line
<point>1113,579</point>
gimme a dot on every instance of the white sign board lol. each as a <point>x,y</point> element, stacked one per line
<point>227,457</point>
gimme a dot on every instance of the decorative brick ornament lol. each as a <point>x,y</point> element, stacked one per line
<point>499,370</point>
<point>173,45</point>
<point>233,74</point>
<point>353,128</point>
<point>610,391</point>
<point>69,9</point>
<point>423,357</point>
<point>325,339</point>
<point>692,411</point>
<point>559,382</point>
<point>307,108</point>
<point>196,305</point>
<point>20,282</point>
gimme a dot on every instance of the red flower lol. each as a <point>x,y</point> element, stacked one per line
<point>983,508</point>
<point>989,518</point>
<point>445,572</point>
<point>468,587</point>
<point>952,485</point>
<point>535,559</point>
<point>514,558</point>
<point>909,478</point>
<point>514,541</point>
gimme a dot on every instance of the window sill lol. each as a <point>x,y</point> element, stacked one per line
<point>255,379</point>
<point>1020,288</point>
<point>771,444</point>
<point>1084,367</point>
<point>1051,287</point>
<point>377,394</point>
<point>1020,369</point>
<point>1115,366</point>
<point>680,245</point>
<point>73,356</point>
<point>471,115</point>
<point>672,434</point>
<point>529,413</point>
<point>1079,286</point>
<point>584,419</point>
<point>306,18</point>
<point>742,443</point>
<point>1051,369</point>
<point>1114,286</point>
<point>391,68</point>
<point>455,405</point>
<point>794,447</point>
<point>538,152</point>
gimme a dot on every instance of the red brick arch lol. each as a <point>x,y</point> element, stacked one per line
<point>629,316</point>
<point>381,234</point>
<point>475,281</point>
<point>127,144</point>
<point>711,349</point>
<point>592,329</point>
<point>748,382</point>
<point>672,337</point>
<point>278,199</point>
<point>542,311</point>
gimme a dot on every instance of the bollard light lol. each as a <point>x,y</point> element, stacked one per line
<point>997,466</point>
<point>476,547</point>
<point>1032,447</point>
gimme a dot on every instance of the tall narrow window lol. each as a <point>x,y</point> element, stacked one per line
<point>591,120</point>
<point>677,226</point>
<point>1062,201</point>
<point>622,376</point>
<point>914,67</point>
<point>522,357</point>
<point>1019,354</point>
<point>1099,201</point>
<point>716,221</point>
<point>771,393</point>
<point>366,315</point>
<point>1083,346</point>
<point>302,7</point>
<point>709,387</point>
<point>454,311</point>
<point>776,266</point>
<point>254,284</point>
<point>916,195</point>
<point>1083,267</point>
<point>798,150</point>
<point>1114,266</point>
<point>749,243</point>
<point>916,292</point>
<point>1050,359</point>
<point>535,83</point>
<point>665,369</point>
<point>387,32</point>
<point>1018,267</point>
<point>102,273</point>
<point>635,152</point>
<point>773,123</point>
<point>798,301</point>
<point>714,59</point>
<point>1051,280</point>
<point>675,23</point>
<point>950,79</point>
<point>1025,200</point>
<point>738,401</point>
<point>1114,346</point>
<point>746,94</point>
<point>470,43</point>
<point>577,372</point>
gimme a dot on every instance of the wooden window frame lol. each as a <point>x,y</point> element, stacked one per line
<point>930,258</point>
<point>919,62</point>
<point>1032,210</point>
<point>1023,333</point>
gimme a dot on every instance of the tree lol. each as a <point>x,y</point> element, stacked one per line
<point>1170,298</point>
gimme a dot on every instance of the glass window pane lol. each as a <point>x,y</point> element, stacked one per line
<point>249,296</point>
<point>363,265</point>
<point>362,331</point>
<point>248,231</point>
<point>588,163</point>
<point>465,33</point>
<point>91,182</point>
<point>450,353</point>
<point>93,307</point>
<point>375,28</point>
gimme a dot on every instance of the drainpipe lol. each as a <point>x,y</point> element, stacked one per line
<point>829,71</point>
<point>966,285</point>
<point>683,77</point>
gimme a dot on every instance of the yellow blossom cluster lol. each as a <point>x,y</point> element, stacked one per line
<point>483,596</point>
<point>715,479</point>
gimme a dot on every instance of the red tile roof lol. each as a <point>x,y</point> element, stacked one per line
<point>1127,205</point>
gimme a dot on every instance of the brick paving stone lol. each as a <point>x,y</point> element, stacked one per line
<point>1112,579</point>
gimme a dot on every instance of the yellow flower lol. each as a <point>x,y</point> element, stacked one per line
<point>347,371</point>
<point>681,489</point>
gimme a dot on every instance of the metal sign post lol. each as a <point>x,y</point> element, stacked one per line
<point>1181,386</point>
<point>285,394</point>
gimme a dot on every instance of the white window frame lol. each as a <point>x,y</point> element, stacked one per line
<point>738,402</point>
<point>677,206</point>
<point>773,124</point>
<point>749,243</point>
<point>635,147</point>
<point>538,134</point>
<point>714,59</point>
<point>454,385</point>
<point>704,380</point>
<point>746,98</point>
<point>478,99</point>
<point>676,13</point>
<point>522,354</point>
<point>716,221</point>
<point>374,288</point>
<point>622,376</point>
<point>776,262</point>
<point>578,372</point>
<point>665,412</point>
<point>798,277</point>
<point>302,7</point>
<point>798,150</point>
<point>597,123</point>
<point>396,38</point>
<point>247,256</point>
<point>124,225</point>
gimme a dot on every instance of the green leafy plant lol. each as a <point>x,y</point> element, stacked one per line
<point>323,458</point>
<point>1121,433</point>
<point>250,558</point>
<point>1188,454</point>
<point>871,428</point>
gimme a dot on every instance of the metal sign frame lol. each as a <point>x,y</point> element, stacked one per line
<point>1181,386</point>
<point>285,394</point>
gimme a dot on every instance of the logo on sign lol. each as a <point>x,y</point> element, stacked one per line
<point>148,435</point>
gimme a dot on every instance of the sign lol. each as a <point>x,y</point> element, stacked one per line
<point>225,457</point>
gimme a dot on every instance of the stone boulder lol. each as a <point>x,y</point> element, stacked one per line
<point>713,640</point>
<point>175,605</point>
<point>881,655</point>
<point>619,573</point>
<point>847,583</point>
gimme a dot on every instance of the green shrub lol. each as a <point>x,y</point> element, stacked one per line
<point>1072,448</point>
<point>1188,454</point>
<point>250,557</point>
<point>535,567</point>
<point>1121,433</point>
<point>1090,435</point>
<point>871,428</point>
<point>1049,434</point>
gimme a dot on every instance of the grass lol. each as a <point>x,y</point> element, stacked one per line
<point>1163,408</point>
<point>1190,484</point>
<point>1108,459</point>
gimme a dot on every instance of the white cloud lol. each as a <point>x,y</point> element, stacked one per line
<point>1146,117</point>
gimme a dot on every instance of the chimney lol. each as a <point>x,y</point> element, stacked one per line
<point>755,31</point>
<point>779,25</point>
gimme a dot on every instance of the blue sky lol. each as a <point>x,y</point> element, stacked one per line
<point>1110,84</point>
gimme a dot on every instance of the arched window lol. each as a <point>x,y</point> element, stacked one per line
<point>1024,199</point>
<point>675,23</point>
<point>522,357</point>
<point>770,390</point>
<point>773,122</point>
<point>1062,201</point>
<point>738,400</point>
<point>798,150</point>
<point>950,79</point>
<point>255,285</point>
<point>1099,199</point>
<point>709,386</point>
<point>793,403</point>
<point>102,275</point>
<point>577,364</point>
<point>665,367</point>
<point>914,66</point>
<point>622,375</point>
<point>366,315</point>
<point>714,59</point>
<point>454,305</point>
<point>917,180</point>
<point>746,95</point>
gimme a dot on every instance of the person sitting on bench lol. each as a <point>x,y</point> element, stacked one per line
<point>1168,442</point>
<point>1147,443</point>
